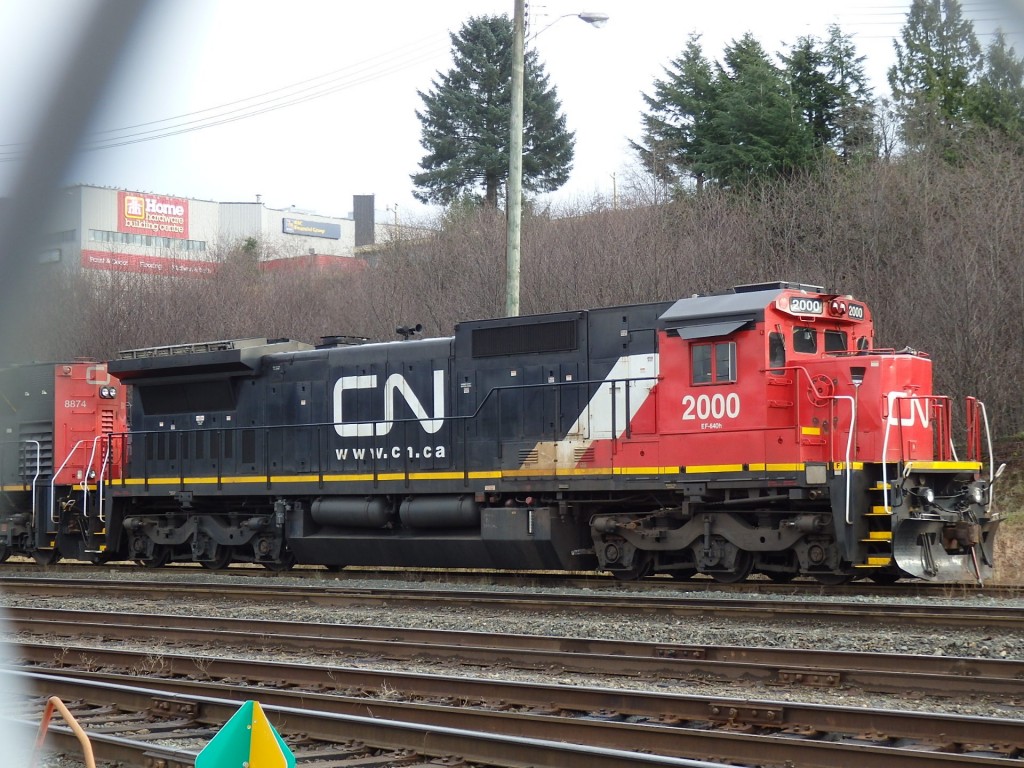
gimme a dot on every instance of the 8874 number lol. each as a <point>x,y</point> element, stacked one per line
<point>716,406</point>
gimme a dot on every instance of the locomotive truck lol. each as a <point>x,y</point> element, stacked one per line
<point>756,429</point>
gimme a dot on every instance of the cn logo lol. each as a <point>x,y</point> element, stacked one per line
<point>394,387</point>
<point>913,411</point>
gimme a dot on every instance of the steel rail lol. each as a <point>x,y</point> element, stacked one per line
<point>755,585</point>
<point>493,749</point>
<point>899,614</point>
<point>894,673</point>
<point>749,738</point>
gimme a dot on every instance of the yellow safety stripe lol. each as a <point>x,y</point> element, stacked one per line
<point>702,469</point>
<point>944,465</point>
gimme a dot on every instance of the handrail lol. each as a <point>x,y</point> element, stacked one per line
<point>53,481</point>
<point>35,478</point>
<point>86,478</point>
<point>493,391</point>
<point>99,478</point>
<point>896,403</point>
<point>991,456</point>
<point>849,448</point>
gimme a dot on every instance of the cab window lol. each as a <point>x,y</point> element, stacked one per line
<point>713,363</point>
<point>776,352</point>
<point>805,340</point>
<point>835,341</point>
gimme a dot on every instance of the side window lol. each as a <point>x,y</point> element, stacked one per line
<point>805,340</point>
<point>835,341</point>
<point>713,363</point>
<point>700,363</point>
<point>725,362</point>
<point>776,351</point>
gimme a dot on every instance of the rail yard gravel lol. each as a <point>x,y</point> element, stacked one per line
<point>981,642</point>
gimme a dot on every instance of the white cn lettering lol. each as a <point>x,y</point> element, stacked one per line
<point>395,386</point>
<point>916,409</point>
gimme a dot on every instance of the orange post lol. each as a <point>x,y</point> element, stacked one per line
<point>54,703</point>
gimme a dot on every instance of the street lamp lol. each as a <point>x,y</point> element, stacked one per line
<point>514,203</point>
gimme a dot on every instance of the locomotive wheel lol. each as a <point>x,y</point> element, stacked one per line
<point>46,557</point>
<point>286,563</point>
<point>5,552</point>
<point>221,556</point>
<point>744,565</point>
<point>161,557</point>
<point>885,579</point>
<point>642,566</point>
<point>833,579</point>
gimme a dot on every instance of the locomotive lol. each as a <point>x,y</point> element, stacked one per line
<point>755,429</point>
<point>58,422</point>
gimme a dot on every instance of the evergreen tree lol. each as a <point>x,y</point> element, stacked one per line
<point>936,63</point>
<point>465,121</point>
<point>809,83</point>
<point>997,100</point>
<point>828,81</point>
<point>854,114</point>
<point>680,110</point>
<point>756,129</point>
<point>729,124</point>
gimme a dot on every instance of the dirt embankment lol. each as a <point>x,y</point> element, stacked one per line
<point>1009,501</point>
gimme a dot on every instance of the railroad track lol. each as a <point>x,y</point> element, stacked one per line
<point>150,727</point>
<point>558,580</point>
<point>490,722</point>
<point>1007,618</point>
<point>874,672</point>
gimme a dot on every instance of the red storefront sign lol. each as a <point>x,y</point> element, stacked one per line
<point>156,215</point>
<point>147,265</point>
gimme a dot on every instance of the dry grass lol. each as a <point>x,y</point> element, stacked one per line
<point>1010,504</point>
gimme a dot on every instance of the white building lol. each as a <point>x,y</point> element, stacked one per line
<point>122,230</point>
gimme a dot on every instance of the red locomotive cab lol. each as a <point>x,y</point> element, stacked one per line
<point>90,418</point>
<point>820,353</point>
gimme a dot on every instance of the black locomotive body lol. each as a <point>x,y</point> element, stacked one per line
<point>414,452</point>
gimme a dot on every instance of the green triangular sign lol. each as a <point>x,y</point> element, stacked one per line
<point>247,740</point>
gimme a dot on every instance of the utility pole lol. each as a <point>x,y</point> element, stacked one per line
<point>514,194</point>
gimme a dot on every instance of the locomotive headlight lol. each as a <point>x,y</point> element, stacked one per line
<point>108,393</point>
<point>927,495</point>
<point>976,494</point>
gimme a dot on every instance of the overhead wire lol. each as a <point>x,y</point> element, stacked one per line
<point>289,95</point>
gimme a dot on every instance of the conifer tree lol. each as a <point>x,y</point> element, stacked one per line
<point>756,130</point>
<point>998,98</point>
<point>465,121</point>
<point>937,60</point>
<point>680,111</point>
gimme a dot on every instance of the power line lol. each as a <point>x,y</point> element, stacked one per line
<point>293,94</point>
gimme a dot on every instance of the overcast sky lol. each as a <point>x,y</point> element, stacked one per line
<point>350,72</point>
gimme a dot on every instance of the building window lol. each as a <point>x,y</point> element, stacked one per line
<point>713,363</point>
<point>148,241</point>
